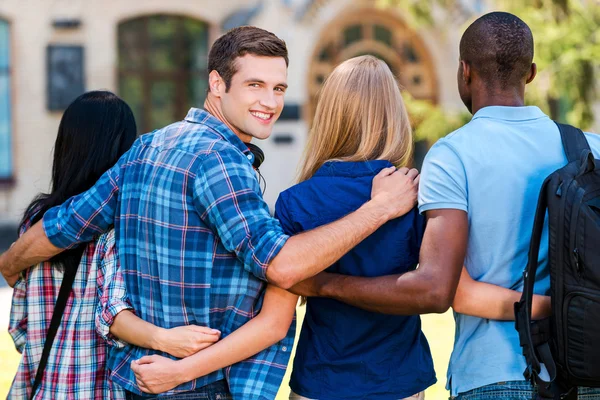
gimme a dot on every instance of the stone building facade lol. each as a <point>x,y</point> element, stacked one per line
<point>153,54</point>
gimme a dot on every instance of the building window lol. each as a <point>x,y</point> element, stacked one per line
<point>353,34</point>
<point>162,68</point>
<point>383,35</point>
<point>6,166</point>
<point>374,32</point>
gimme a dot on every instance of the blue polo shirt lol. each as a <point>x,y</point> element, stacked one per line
<point>493,168</point>
<point>344,352</point>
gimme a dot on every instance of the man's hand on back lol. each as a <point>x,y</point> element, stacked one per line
<point>396,190</point>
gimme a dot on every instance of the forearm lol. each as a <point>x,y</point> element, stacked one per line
<point>309,253</point>
<point>132,329</point>
<point>485,300</point>
<point>31,248</point>
<point>383,294</point>
<point>261,332</point>
<point>243,343</point>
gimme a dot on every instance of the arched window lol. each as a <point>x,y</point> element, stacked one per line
<point>162,67</point>
<point>379,34</point>
<point>6,166</point>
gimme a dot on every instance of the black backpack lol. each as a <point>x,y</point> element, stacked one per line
<point>567,343</point>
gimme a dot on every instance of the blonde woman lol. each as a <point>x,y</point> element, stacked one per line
<point>360,128</point>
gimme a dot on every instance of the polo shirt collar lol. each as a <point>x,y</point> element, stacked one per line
<point>510,113</point>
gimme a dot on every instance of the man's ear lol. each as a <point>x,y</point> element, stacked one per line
<point>532,73</point>
<point>466,71</point>
<point>216,85</point>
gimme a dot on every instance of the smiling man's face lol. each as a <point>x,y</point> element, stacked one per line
<point>255,98</point>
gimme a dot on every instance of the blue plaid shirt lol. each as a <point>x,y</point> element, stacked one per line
<point>194,237</point>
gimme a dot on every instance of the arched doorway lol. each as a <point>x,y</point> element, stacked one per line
<point>162,67</point>
<point>373,32</point>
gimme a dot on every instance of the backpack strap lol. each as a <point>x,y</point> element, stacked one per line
<point>523,322</point>
<point>59,309</point>
<point>573,141</point>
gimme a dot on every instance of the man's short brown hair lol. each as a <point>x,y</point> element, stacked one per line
<point>238,42</point>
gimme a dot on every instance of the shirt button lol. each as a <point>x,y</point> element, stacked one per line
<point>249,156</point>
<point>284,348</point>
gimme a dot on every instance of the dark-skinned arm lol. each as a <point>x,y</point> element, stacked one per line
<point>428,289</point>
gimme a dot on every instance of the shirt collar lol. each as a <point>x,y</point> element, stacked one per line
<point>352,168</point>
<point>199,116</point>
<point>510,113</point>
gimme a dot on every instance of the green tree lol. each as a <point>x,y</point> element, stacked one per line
<point>567,48</point>
<point>429,121</point>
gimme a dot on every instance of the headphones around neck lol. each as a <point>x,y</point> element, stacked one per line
<point>259,156</point>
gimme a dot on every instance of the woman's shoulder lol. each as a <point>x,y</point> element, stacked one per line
<point>300,194</point>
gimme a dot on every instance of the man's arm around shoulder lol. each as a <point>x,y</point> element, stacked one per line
<point>77,220</point>
<point>304,255</point>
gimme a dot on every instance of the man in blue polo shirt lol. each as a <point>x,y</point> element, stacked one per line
<point>481,184</point>
<point>493,169</point>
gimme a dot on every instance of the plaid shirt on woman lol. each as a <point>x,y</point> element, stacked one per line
<point>195,238</point>
<point>76,367</point>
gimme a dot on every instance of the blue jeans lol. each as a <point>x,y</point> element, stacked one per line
<point>516,390</point>
<point>214,391</point>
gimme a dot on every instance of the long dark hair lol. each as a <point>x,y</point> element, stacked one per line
<point>94,132</point>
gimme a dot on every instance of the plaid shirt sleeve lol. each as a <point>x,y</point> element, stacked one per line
<point>227,196</point>
<point>18,315</point>
<point>86,215</point>
<point>112,295</point>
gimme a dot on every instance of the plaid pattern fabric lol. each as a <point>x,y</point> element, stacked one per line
<point>195,238</point>
<point>76,367</point>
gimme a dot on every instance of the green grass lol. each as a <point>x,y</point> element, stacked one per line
<point>439,330</point>
<point>9,360</point>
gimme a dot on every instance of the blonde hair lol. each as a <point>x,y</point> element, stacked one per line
<point>360,116</point>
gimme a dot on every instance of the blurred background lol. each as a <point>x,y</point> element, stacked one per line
<point>153,54</point>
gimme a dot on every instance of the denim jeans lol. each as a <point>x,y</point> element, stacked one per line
<point>214,391</point>
<point>516,390</point>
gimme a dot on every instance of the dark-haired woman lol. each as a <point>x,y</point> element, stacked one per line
<point>95,130</point>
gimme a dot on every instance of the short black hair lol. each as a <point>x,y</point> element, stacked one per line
<point>499,47</point>
<point>238,42</point>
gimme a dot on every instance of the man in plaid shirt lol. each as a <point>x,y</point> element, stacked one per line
<point>195,238</point>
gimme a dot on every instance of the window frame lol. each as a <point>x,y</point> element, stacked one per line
<point>9,180</point>
<point>179,76</point>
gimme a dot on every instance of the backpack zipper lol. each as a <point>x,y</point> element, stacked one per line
<point>573,231</point>
<point>578,266</point>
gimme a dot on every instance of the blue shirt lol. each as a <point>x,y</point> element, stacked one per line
<point>194,238</point>
<point>493,168</point>
<point>345,352</point>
